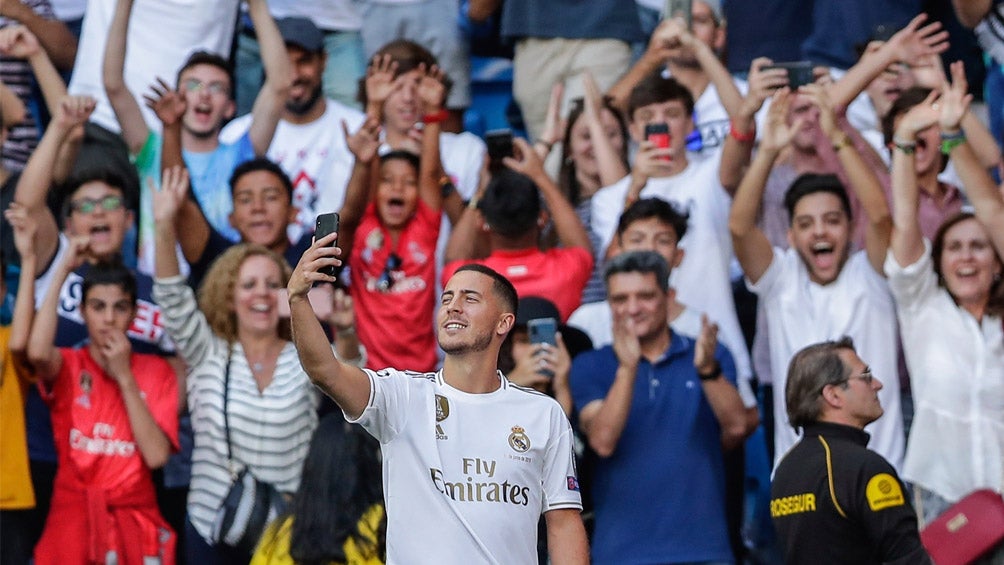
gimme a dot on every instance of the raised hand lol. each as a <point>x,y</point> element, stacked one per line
<point>651,161</point>
<point>913,41</point>
<point>431,89</point>
<point>173,191</point>
<point>365,143</point>
<point>24,225</point>
<point>919,118</point>
<point>76,253</point>
<point>593,99</point>
<point>954,99</point>
<point>528,162</point>
<point>763,82</point>
<point>343,315</point>
<point>704,348</point>
<point>669,37</point>
<point>115,355</point>
<point>821,99</point>
<point>307,270</point>
<point>167,103</point>
<point>554,126</point>
<point>627,347</point>
<point>18,42</point>
<point>380,80</point>
<point>928,72</point>
<point>778,133</point>
<point>74,111</point>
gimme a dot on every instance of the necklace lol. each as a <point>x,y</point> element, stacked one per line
<point>259,365</point>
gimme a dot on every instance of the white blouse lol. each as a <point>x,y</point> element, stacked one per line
<point>956,368</point>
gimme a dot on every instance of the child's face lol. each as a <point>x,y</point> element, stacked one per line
<point>97,210</point>
<point>397,193</point>
<point>107,310</point>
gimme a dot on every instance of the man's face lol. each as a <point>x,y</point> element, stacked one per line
<point>638,297</point>
<point>886,88</point>
<point>97,210</point>
<point>672,113</point>
<point>207,93</point>
<point>397,193</point>
<point>308,70</point>
<point>705,29</point>
<point>820,233</point>
<point>861,401</point>
<point>107,310</point>
<point>806,137</point>
<point>262,210</point>
<point>402,109</point>
<point>470,316</point>
<point>652,234</point>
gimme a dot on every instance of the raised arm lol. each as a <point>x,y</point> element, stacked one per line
<point>18,42</point>
<point>654,57</point>
<point>268,105</point>
<point>169,105</point>
<point>348,386</point>
<point>167,202</point>
<point>467,239</point>
<point>53,34</point>
<point>721,394</point>
<point>364,145</point>
<point>571,232</point>
<point>612,167</point>
<point>863,181</point>
<point>124,104</point>
<point>24,227</point>
<point>431,94</point>
<point>907,239</point>
<point>36,179</point>
<point>43,355</point>
<point>970,12</point>
<point>983,193</point>
<point>751,245</point>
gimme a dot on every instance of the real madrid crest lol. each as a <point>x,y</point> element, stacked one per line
<point>86,384</point>
<point>518,440</point>
<point>442,413</point>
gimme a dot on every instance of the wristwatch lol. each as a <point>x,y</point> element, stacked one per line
<point>714,374</point>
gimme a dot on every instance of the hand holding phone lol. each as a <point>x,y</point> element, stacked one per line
<point>658,135</point>
<point>543,330</point>
<point>499,144</point>
<point>326,224</point>
<point>799,73</point>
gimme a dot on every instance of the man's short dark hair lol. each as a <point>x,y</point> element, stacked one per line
<point>261,164</point>
<point>908,99</point>
<point>110,272</point>
<point>810,370</point>
<point>501,286</point>
<point>656,89</point>
<point>638,262</point>
<point>106,174</point>
<point>401,155</point>
<point>511,204</point>
<point>657,208</point>
<point>212,59</point>
<point>811,183</point>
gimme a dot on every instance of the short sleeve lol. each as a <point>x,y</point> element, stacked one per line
<point>386,411</point>
<point>911,284</point>
<point>561,481</point>
<point>164,404</point>
<point>768,281</point>
<point>607,207</point>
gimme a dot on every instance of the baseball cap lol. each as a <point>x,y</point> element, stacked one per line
<point>301,32</point>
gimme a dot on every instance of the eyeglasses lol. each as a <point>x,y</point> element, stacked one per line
<point>195,85</point>
<point>386,280</point>
<point>90,205</point>
<point>866,376</point>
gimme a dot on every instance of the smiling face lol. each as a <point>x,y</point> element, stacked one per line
<point>262,210</point>
<point>637,296</point>
<point>308,68</point>
<point>107,309</point>
<point>207,94</point>
<point>256,295</point>
<point>581,146</point>
<point>397,192</point>
<point>820,233</point>
<point>470,316</point>
<point>402,109</point>
<point>93,212</point>
<point>652,234</point>
<point>968,263</point>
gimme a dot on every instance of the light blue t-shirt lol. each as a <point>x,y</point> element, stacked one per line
<point>210,175</point>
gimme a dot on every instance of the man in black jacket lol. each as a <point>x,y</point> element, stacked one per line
<point>834,501</point>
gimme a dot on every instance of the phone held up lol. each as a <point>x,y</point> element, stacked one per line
<point>679,9</point>
<point>499,142</point>
<point>327,223</point>
<point>543,330</point>
<point>799,73</point>
<point>658,135</point>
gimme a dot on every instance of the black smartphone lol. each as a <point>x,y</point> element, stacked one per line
<point>327,223</point>
<point>679,9</point>
<point>799,73</point>
<point>543,330</point>
<point>499,144</point>
<point>658,135</point>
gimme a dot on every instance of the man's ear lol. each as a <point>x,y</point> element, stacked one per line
<point>130,218</point>
<point>292,214</point>
<point>831,395</point>
<point>230,110</point>
<point>678,257</point>
<point>718,42</point>
<point>637,131</point>
<point>505,324</point>
<point>790,237</point>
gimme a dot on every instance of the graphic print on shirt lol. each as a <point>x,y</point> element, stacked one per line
<point>442,413</point>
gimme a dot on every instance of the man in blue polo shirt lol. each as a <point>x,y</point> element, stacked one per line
<point>658,408</point>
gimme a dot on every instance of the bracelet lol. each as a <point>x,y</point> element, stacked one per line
<point>907,147</point>
<point>446,186</point>
<point>436,117</point>
<point>472,204</point>
<point>741,137</point>
<point>950,141</point>
<point>345,332</point>
<point>841,143</point>
<point>714,374</point>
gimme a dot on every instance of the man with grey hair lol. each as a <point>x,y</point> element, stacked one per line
<point>656,405</point>
<point>830,490</point>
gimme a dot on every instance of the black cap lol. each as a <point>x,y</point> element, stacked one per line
<point>301,32</point>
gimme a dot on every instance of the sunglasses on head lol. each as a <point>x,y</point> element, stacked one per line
<point>386,280</point>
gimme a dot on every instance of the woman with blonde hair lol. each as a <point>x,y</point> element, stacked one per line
<point>251,403</point>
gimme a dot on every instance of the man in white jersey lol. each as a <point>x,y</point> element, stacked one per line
<point>470,461</point>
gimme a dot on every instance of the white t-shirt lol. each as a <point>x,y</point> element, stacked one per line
<point>327,15</point>
<point>702,280</point>
<point>857,304</point>
<point>315,157</point>
<point>597,319</point>
<point>467,476</point>
<point>162,34</point>
<point>957,372</point>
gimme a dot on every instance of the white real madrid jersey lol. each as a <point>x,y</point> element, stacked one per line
<point>467,476</point>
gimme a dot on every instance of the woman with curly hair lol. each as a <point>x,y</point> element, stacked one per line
<point>234,337</point>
